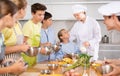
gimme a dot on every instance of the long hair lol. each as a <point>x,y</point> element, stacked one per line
<point>7,7</point>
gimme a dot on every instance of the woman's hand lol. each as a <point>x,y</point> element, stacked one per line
<point>112,61</point>
<point>115,72</point>
<point>18,67</point>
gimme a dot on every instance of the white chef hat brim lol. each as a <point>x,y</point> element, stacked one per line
<point>79,8</point>
<point>110,9</point>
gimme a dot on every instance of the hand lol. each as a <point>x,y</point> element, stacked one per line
<point>18,67</point>
<point>86,44</point>
<point>24,47</point>
<point>113,61</point>
<point>115,72</point>
<point>43,51</point>
<point>47,44</point>
<point>71,73</point>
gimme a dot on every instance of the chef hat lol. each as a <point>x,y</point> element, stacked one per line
<point>79,8</point>
<point>110,9</point>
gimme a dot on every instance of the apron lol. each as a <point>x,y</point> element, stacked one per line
<point>2,55</point>
<point>15,55</point>
<point>35,43</point>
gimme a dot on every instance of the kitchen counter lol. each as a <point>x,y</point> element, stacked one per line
<point>35,71</point>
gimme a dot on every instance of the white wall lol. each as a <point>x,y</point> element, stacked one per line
<point>60,22</point>
<point>62,10</point>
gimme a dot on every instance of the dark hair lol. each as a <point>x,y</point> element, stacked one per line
<point>21,4</point>
<point>7,7</point>
<point>37,6</point>
<point>118,18</point>
<point>60,34</point>
<point>47,15</point>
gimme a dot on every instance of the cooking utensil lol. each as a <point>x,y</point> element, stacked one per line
<point>106,69</point>
<point>48,50</point>
<point>45,71</point>
<point>52,66</point>
<point>33,51</point>
<point>105,39</point>
<point>56,47</point>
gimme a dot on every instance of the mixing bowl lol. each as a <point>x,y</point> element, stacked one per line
<point>33,51</point>
<point>56,47</point>
<point>52,66</point>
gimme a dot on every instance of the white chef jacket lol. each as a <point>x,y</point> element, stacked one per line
<point>88,31</point>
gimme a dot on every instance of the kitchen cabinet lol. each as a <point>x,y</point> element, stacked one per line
<point>63,10</point>
<point>110,51</point>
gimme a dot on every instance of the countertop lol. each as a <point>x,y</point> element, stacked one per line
<point>35,71</point>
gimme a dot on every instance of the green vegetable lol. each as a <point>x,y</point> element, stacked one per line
<point>83,60</point>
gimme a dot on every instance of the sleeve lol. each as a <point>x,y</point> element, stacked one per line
<point>97,35</point>
<point>77,50</point>
<point>6,33</point>
<point>59,55</point>
<point>72,33</point>
<point>26,30</point>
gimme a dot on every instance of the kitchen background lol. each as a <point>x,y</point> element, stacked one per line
<point>63,18</point>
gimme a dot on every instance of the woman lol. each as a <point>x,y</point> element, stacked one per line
<point>13,37</point>
<point>7,13</point>
<point>112,22</point>
<point>86,31</point>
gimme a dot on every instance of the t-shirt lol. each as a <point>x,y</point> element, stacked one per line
<point>2,48</point>
<point>10,34</point>
<point>32,31</point>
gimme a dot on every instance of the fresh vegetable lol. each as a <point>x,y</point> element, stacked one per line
<point>83,61</point>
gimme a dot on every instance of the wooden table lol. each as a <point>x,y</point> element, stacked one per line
<point>35,71</point>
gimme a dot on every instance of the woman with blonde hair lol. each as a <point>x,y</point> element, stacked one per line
<point>13,37</point>
<point>7,13</point>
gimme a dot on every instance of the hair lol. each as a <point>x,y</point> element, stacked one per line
<point>7,7</point>
<point>21,4</point>
<point>47,15</point>
<point>60,34</point>
<point>37,6</point>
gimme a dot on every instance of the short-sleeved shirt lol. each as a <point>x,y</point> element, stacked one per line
<point>47,35</point>
<point>10,34</point>
<point>32,31</point>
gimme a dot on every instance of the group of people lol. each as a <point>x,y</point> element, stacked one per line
<point>37,32</point>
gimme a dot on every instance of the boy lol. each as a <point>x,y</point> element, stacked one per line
<point>31,29</point>
<point>47,36</point>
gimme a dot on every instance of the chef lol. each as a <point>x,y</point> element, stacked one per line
<point>111,14</point>
<point>86,31</point>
